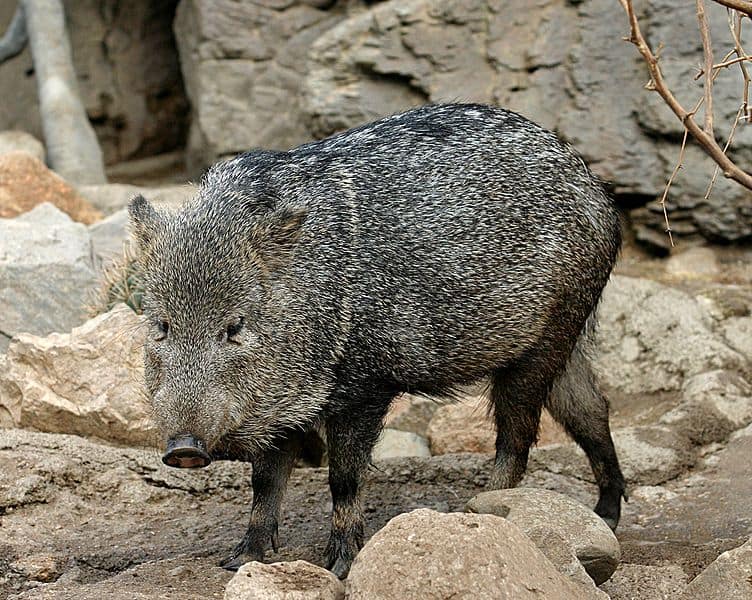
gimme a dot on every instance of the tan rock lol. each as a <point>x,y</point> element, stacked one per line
<point>26,182</point>
<point>20,141</point>
<point>296,580</point>
<point>428,555</point>
<point>466,426</point>
<point>729,577</point>
<point>87,382</point>
<point>537,512</point>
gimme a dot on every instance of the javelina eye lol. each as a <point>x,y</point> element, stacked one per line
<point>233,329</point>
<point>162,328</point>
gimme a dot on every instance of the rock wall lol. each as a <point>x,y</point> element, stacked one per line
<point>277,73</point>
<point>128,72</point>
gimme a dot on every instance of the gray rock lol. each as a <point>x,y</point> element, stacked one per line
<point>394,444</point>
<point>653,337</point>
<point>729,577</point>
<point>537,511</point>
<point>12,141</point>
<point>411,413</point>
<point>128,77</point>
<point>699,262</point>
<point>714,404</point>
<point>646,582</point>
<point>429,555</point>
<point>109,236</point>
<point>243,63</point>
<point>298,579</point>
<point>46,273</point>
<point>648,454</point>
<point>112,197</point>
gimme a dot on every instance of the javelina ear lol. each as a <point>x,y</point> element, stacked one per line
<point>275,235</point>
<point>143,220</point>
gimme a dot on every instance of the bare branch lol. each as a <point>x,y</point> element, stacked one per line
<point>707,50</point>
<point>743,6</point>
<point>735,25</point>
<point>668,185</point>
<point>739,113</point>
<point>707,142</point>
<point>15,38</point>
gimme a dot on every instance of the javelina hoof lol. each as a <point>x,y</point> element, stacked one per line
<point>609,505</point>
<point>186,452</point>
<point>340,555</point>
<point>235,561</point>
<point>340,568</point>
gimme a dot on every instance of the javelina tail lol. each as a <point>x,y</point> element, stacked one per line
<point>578,404</point>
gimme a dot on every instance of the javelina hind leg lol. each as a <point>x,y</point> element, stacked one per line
<point>271,470</point>
<point>350,439</point>
<point>578,404</point>
<point>517,394</point>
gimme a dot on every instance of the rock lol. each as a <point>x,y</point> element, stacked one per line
<point>128,75</point>
<point>112,197</point>
<point>652,337</point>
<point>699,262</point>
<point>411,413</point>
<point>537,511</point>
<point>648,455</point>
<point>243,63</point>
<point>20,141</point>
<point>729,577</point>
<point>394,443</point>
<point>738,334</point>
<point>46,273</point>
<point>25,183</point>
<point>30,489</point>
<point>714,404</point>
<point>108,237</point>
<point>434,555</point>
<point>38,567</point>
<point>298,579</point>
<point>464,426</point>
<point>646,582</point>
<point>87,382</point>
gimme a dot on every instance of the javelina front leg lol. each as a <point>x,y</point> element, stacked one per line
<point>271,470</point>
<point>350,441</point>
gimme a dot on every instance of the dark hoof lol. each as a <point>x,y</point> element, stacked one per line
<point>186,452</point>
<point>611,522</point>
<point>235,561</point>
<point>340,568</point>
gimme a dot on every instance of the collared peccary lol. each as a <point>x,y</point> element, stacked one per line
<point>427,250</point>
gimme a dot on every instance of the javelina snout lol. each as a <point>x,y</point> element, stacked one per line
<point>186,452</point>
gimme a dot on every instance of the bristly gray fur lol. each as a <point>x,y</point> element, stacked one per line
<point>421,252</point>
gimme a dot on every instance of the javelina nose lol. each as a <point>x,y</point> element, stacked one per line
<point>186,452</point>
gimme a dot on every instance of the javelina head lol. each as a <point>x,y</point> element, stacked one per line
<point>214,298</point>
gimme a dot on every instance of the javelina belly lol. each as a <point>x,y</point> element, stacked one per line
<point>427,250</point>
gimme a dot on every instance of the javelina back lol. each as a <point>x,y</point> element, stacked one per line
<point>430,249</point>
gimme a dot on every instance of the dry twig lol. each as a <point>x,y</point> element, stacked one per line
<point>704,137</point>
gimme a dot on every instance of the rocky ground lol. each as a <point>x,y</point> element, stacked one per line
<point>88,510</point>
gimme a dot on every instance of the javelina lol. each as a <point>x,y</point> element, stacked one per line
<point>426,250</point>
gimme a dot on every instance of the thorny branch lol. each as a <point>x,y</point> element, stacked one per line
<point>704,135</point>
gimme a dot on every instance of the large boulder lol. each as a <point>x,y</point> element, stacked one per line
<point>128,75</point>
<point>243,64</point>
<point>87,382</point>
<point>536,512</point>
<point>46,273</point>
<point>653,337</point>
<point>429,555</point>
<point>729,577</point>
<point>25,183</point>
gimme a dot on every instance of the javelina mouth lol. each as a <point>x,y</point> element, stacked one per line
<point>186,452</point>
